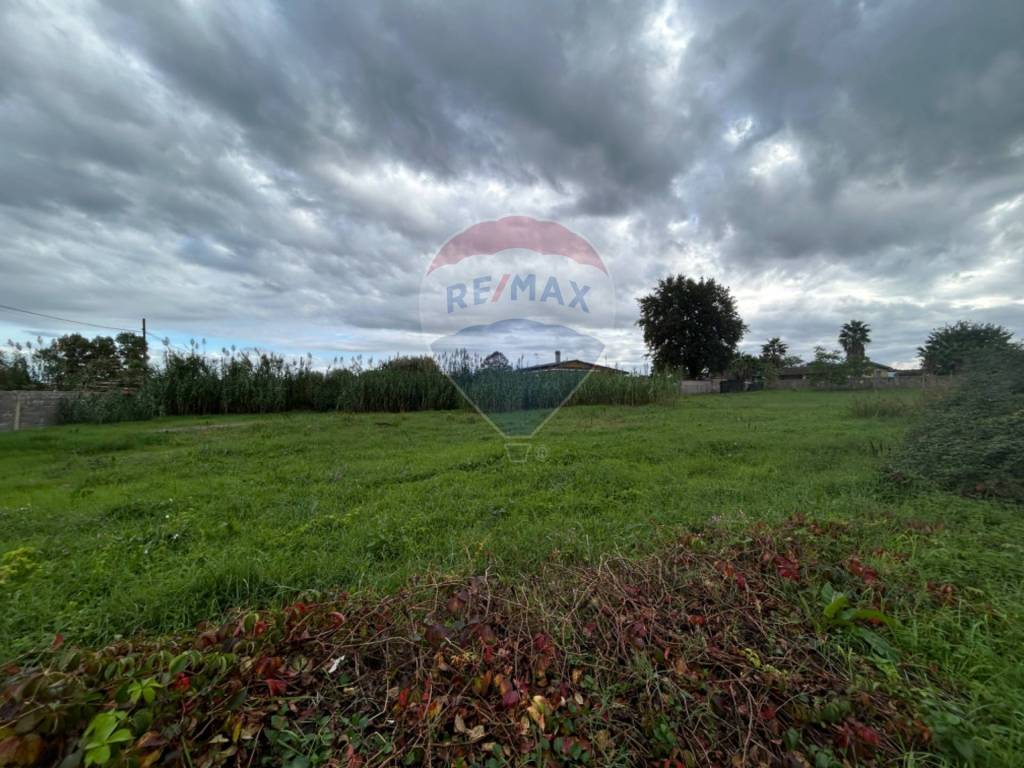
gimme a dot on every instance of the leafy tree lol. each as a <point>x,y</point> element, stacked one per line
<point>828,367</point>
<point>690,325</point>
<point>65,361</point>
<point>102,364</point>
<point>495,362</point>
<point>75,362</point>
<point>774,352</point>
<point>950,348</point>
<point>133,357</point>
<point>853,337</point>
<point>745,366</point>
<point>14,369</point>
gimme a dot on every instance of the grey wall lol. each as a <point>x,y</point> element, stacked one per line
<point>27,409</point>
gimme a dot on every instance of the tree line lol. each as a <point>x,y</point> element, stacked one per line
<point>75,362</point>
<point>692,327</point>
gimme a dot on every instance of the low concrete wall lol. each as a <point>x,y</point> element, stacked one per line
<point>27,409</point>
<point>699,386</point>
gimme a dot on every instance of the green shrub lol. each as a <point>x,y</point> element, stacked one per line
<point>972,440</point>
<point>109,407</point>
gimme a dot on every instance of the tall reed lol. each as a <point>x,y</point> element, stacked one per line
<point>193,383</point>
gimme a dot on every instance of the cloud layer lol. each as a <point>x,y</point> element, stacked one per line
<point>281,173</point>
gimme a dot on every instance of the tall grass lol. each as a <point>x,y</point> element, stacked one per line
<point>194,384</point>
<point>885,406</point>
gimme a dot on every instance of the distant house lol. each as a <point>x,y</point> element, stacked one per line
<point>872,370</point>
<point>794,373</point>
<point>571,365</point>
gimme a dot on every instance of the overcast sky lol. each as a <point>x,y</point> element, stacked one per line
<point>280,174</point>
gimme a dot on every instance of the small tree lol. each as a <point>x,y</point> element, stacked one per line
<point>690,325</point>
<point>133,357</point>
<point>950,348</point>
<point>828,367</point>
<point>853,338</point>
<point>495,362</point>
<point>745,367</point>
<point>15,372</point>
<point>774,351</point>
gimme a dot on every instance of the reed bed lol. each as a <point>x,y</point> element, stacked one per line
<point>194,384</point>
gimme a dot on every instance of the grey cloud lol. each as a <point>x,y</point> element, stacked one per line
<point>232,165</point>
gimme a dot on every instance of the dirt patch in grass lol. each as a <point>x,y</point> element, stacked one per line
<point>714,652</point>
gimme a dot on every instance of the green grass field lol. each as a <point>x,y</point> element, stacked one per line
<point>111,530</point>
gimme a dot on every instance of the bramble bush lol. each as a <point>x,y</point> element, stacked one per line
<point>972,441</point>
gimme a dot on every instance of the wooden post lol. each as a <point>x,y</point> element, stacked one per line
<point>17,412</point>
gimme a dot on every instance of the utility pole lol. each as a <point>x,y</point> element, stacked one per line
<point>143,329</point>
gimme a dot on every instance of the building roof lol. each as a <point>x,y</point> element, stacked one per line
<point>572,365</point>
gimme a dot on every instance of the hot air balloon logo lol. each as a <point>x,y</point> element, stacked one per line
<point>514,310</point>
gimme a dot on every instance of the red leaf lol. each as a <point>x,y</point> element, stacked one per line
<point>788,569</point>
<point>354,760</point>
<point>182,683</point>
<point>510,699</point>
<point>403,699</point>
<point>869,736</point>
<point>58,641</point>
<point>485,634</point>
<point>455,605</point>
<point>276,687</point>
<point>868,574</point>
<point>436,634</point>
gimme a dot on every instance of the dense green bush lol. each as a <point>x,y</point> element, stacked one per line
<point>972,440</point>
<point>108,407</point>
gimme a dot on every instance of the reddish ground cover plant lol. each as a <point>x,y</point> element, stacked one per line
<point>700,656</point>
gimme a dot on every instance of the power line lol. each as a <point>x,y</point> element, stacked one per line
<point>165,339</point>
<point>65,319</point>
<point>149,333</point>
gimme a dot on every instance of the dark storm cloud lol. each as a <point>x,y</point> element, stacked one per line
<point>262,169</point>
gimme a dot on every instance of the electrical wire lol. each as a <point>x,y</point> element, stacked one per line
<point>65,319</point>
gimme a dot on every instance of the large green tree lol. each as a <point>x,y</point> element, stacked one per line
<point>950,348</point>
<point>74,361</point>
<point>854,336</point>
<point>690,325</point>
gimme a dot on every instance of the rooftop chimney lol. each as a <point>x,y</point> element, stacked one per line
<point>558,356</point>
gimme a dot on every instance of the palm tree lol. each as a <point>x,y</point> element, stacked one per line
<point>853,336</point>
<point>774,352</point>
